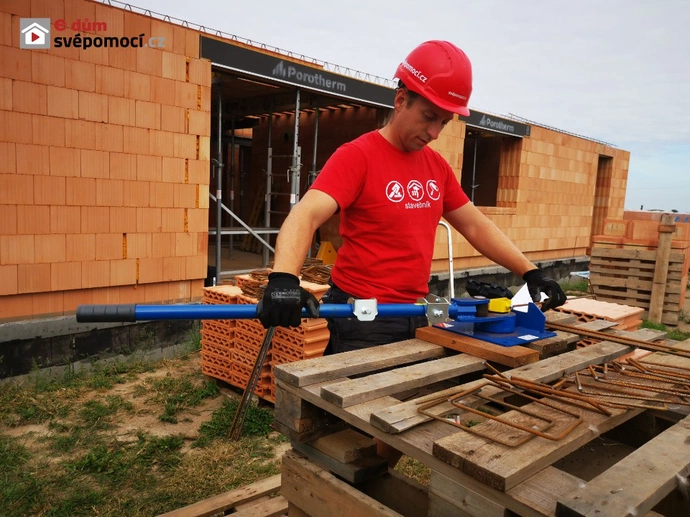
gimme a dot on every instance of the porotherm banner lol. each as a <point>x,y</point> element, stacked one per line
<point>283,70</point>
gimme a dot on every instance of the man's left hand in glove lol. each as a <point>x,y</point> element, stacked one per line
<point>537,283</point>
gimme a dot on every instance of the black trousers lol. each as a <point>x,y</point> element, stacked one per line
<point>351,334</point>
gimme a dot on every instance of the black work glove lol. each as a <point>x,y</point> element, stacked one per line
<point>281,305</point>
<point>538,282</point>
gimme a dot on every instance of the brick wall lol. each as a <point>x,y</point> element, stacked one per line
<point>104,164</point>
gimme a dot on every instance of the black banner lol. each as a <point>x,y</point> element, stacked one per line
<point>286,71</point>
<point>494,123</point>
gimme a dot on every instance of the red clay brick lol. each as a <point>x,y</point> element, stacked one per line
<point>114,18</point>
<point>98,56</point>
<point>150,270</point>
<point>95,164</point>
<point>174,66</point>
<point>162,91</point>
<point>16,189</point>
<point>21,308</point>
<point>16,127</point>
<point>185,244</point>
<point>109,192</point>
<point>8,219</point>
<point>80,247</point>
<point>96,274</point>
<point>137,86</point>
<point>80,134</point>
<point>33,159</point>
<point>48,304</point>
<point>195,267</point>
<point>150,61</point>
<point>93,106</point>
<point>6,94</point>
<point>47,130</point>
<point>122,111</point>
<point>33,278</point>
<point>185,196</point>
<point>149,168</point>
<point>16,249</point>
<point>65,219</point>
<point>173,170</point>
<point>109,246</point>
<point>199,122</point>
<point>137,193</point>
<point>123,219</point>
<point>16,63</point>
<point>123,272</point>
<point>63,102</point>
<point>138,245</point>
<point>191,47</point>
<point>109,81</point>
<point>173,268</point>
<point>173,219</point>
<point>149,220</point>
<point>47,69</point>
<point>49,190</point>
<point>109,137</point>
<point>136,140</point>
<point>199,172</point>
<point>161,195</point>
<point>173,119</point>
<point>65,275</point>
<point>162,143</point>
<point>123,166</point>
<point>8,158</point>
<point>32,220</point>
<point>65,161</point>
<point>75,298</point>
<point>204,148</point>
<point>94,219</point>
<point>135,24</point>
<point>49,248</point>
<point>80,75</point>
<point>6,29</point>
<point>162,244</point>
<point>47,9</point>
<point>122,58</point>
<point>162,29</point>
<point>148,115</point>
<point>28,98</point>
<point>8,281</point>
<point>185,95</point>
<point>80,192</point>
<point>185,146</point>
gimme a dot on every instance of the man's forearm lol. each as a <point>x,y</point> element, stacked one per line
<point>293,242</point>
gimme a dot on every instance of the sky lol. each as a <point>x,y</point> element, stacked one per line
<point>611,70</point>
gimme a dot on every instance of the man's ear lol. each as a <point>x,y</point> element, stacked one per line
<point>400,100</point>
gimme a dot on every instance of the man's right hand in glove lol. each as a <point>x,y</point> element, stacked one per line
<point>281,305</point>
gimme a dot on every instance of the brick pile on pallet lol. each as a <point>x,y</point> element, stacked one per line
<point>623,261</point>
<point>230,354</point>
<point>626,317</point>
<point>218,336</point>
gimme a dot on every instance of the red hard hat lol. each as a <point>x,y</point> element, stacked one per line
<point>441,73</point>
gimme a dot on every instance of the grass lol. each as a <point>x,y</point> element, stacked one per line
<point>675,334</point>
<point>67,446</point>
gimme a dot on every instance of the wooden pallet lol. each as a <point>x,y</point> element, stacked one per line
<point>472,475</point>
<point>626,276</point>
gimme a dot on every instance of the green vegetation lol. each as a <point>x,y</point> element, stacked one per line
<point>129,438</point>
<point>575,286</point>
<point>675,334</point>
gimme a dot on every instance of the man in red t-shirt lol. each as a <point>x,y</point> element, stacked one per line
<point>391,191</point>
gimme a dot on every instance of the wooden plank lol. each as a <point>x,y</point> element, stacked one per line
<point>355,391</point>
<point>403,416</point>
<point>511,356</point>
<point>345,446</point>
<point>596,325</point>
<point>222,502</point>
<point>633,283</point>
<point>310,371</point>
<point>644,255</point>
<point>661,268</point>
<point>273,507</point>
<point>318,492</point>
<point>300,416</point>
<point>543,490</point>
<point>563,342</point>
<point>459,500</point>
<point>356,471</point>
<point>634,485</point>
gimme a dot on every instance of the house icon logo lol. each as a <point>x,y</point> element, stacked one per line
<point>34,33</point>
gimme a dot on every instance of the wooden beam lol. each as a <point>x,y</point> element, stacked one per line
<point>663,254</point>
<point>511,356</point>
<point>634,485</point>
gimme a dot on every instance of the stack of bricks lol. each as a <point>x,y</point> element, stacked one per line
<point>218,336</point>
<point>586,309</point>
<point>229,348</point>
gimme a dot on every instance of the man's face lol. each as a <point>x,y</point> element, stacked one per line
<point>418,123</point>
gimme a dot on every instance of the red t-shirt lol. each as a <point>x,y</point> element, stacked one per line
<point>390,204</point>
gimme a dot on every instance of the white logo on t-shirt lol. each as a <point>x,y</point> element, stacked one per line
<point>432,190</point>
<point>395,192</point>
<point>415,190</point>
